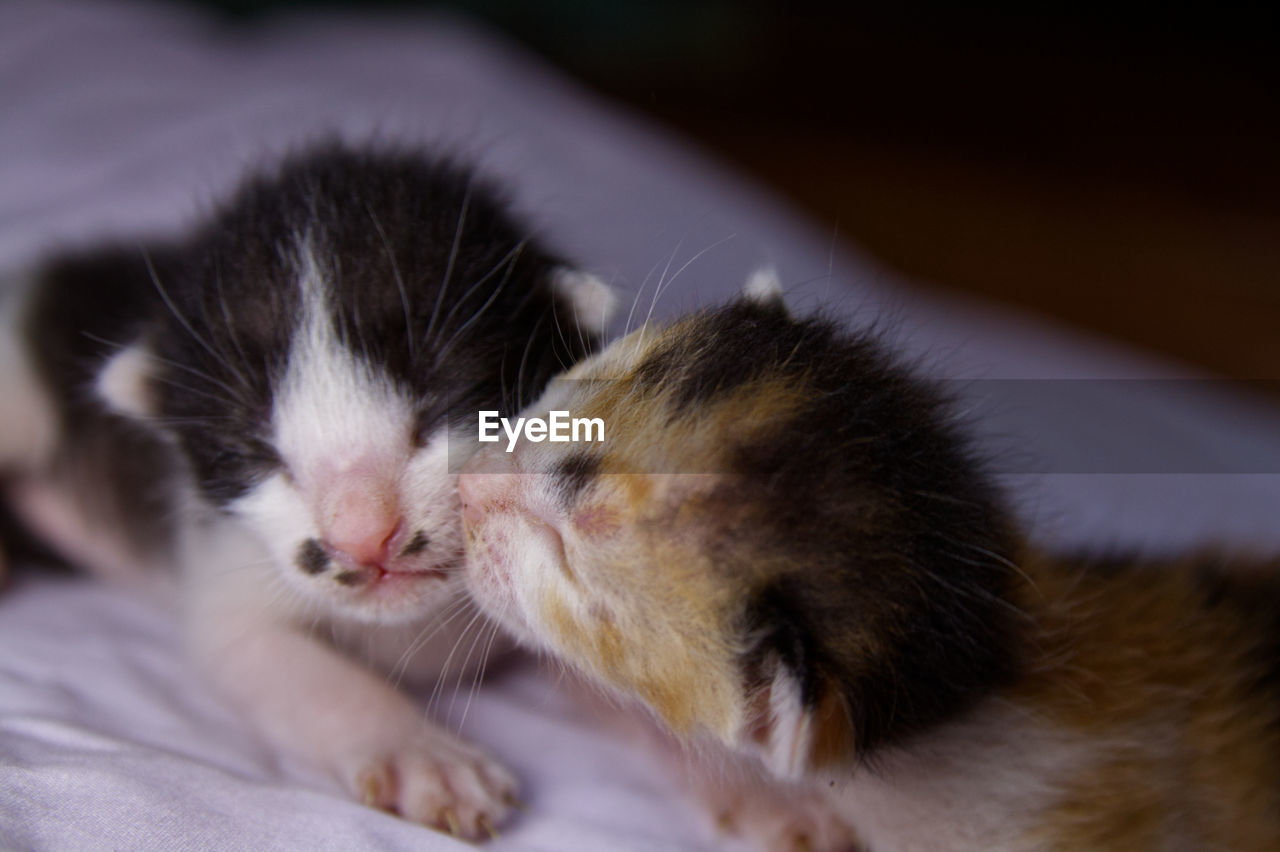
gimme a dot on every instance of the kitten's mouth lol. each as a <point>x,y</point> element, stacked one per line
<point>392,576</point>
<point>392,573</point>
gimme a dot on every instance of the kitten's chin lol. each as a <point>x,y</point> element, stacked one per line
<point>490,586</point>
<point>395,597</point>
<point>509,551</point>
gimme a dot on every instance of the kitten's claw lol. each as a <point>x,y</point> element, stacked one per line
<point>375,786</point>
<point>442,783</point>
<point>780,819</point>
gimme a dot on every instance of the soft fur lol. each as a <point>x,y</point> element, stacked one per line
<point>271,405</point>
<point>785,548</point>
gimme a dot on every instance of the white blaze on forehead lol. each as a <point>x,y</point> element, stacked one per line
<point>334,411</point>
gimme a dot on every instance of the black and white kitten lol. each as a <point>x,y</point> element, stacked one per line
<point>266,405</point>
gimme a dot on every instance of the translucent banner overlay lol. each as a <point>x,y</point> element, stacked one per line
<point>1016,426</point>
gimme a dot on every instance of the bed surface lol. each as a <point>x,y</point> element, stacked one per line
<point>126,119</point>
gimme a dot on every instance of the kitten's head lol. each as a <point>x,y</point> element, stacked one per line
<point>310,346</point>
<point>780,542</point>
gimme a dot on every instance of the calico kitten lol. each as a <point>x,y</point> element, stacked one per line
<point>785,548</point>
<point>266,405</point>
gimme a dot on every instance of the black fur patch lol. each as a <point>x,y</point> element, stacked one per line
<point>417,544</point>
<point>351,578</point>
<point>731,347</point>
<point>312,558</point>
<point>86,307</point>
<point>1252,599</point>
<point>886,549</point>
<point>574,474</point>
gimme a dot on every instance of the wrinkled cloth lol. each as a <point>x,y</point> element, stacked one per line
<point>125,120</point>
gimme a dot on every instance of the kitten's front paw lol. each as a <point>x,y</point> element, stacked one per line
<point>781,820</point>
<point>441,782</point>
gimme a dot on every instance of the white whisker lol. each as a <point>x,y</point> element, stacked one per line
<point>657,293</point>
<point>444,668</point>
<point>457,335</point>
<point>395,273</point>
<point>448,269</point>
<point>164,295</point>
<point>479,674</point>
<point>462,670</point>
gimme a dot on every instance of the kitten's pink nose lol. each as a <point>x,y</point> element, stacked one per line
<point>363,525</point>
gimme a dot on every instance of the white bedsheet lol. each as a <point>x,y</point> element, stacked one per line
<point>126,119</point>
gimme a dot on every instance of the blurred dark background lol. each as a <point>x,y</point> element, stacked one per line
<point>1113,166</point>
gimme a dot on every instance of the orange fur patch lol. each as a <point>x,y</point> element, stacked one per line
<point>1136,664</point>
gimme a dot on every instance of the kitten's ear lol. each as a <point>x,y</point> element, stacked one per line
<point>796,735</point>
<point>125,382</point>
<point>593,302</point>
<point>764,288</point>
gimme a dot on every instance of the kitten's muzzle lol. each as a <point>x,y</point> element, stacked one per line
<point>472,488</point>
<point>489,480</point>
<point>485,492</point>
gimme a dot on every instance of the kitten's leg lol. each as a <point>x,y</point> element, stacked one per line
<point>739,797</point>
<point>306,697</point>
<point>769,814</point>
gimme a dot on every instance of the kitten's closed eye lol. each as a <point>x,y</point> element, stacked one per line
<point>574,474</point>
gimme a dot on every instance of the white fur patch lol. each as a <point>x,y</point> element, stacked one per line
<point>976,784</point>
<point>790,730</point>
<point>334,412</point>
<point>763,285</point>
<point>125,382</point>
<point>428,490</point>
<point>276,510</point>
<point>594,302</point>
<point>345,432</point>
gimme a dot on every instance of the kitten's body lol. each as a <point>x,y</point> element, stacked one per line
<point>265,405</point>
<point>785,548</point>
<point>1145,715</point>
